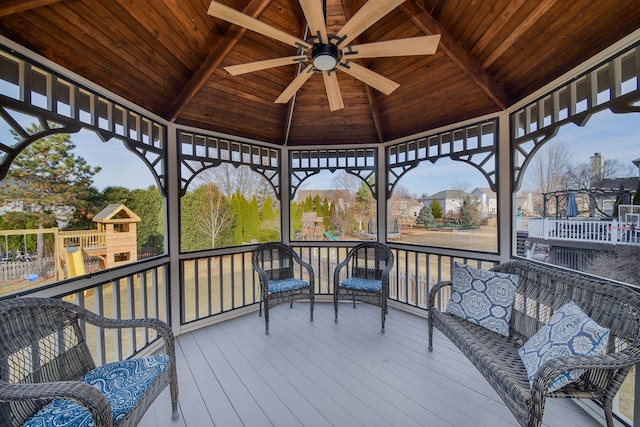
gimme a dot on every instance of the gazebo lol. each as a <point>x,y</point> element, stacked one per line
<point>505,77</point>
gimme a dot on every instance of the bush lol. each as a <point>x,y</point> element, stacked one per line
<point>619,264</point>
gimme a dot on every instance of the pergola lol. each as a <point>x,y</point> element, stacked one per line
<point>506,76</point>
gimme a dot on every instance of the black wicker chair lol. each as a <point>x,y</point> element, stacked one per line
<point>48,376</point>
<point>364,276</point>
<point>280,278</point>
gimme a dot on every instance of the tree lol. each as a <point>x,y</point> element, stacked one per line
<point>578,176</point>
<point>620,200</point>
<point>86,209</point>
<point>48,179</point>
<point>148,205</point>
<point>365,204</point>
<point>636,197</point>
<point>436,208</point>
<point>296,211</point>
<point>469,214</point>
<point>548,171</point>
<point>425,217</point>
<point>207,219</point>
<point>342,219</point>
<point>231,179</point>
<point>346,181</point>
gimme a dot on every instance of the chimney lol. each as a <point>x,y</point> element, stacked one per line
<point>596,170</point>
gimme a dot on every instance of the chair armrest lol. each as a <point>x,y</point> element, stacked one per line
<point>307,267</point>
<point>163,329</point>
<point>84,394</point>
<point>434,291</point>
<point>336,271</point>
<point>552,368</point>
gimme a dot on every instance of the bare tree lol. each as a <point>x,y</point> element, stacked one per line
<point>216,215</point>
<point>401,192</point>
<point>548,171</point>
<point>579,175</point>
<point>460,190</point>
<point>230,179</point>
<point>345,181</point>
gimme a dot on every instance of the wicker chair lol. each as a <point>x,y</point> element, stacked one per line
<point>48,376</point>
<point>275,264</point>
<point>364,276</point>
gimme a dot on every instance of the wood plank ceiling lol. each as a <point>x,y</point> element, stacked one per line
<point>168,57</point>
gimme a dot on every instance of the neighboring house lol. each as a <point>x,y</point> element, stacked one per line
<point>405,211</point>
<point>487,202</point>
<point>450,200</point>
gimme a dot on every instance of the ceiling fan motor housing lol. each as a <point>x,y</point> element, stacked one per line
<point>324,56</point>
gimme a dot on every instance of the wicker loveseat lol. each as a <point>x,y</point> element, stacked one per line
<point>48,376</point>
<point>541,291</point>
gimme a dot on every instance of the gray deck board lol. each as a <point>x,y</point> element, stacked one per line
<point>323,373</point>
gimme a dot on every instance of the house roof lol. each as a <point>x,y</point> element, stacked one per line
<point>169,58</point>
<point>116,212</point>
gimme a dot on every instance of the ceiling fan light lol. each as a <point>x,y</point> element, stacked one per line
<point>324,56</point>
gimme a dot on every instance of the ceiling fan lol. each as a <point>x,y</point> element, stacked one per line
<point>327,53</point>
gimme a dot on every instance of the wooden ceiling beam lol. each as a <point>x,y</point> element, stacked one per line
<point>9,7</point>
<point>523,27</point>
<point>428,24</point>
<point>350,8</point>
<point>213,61</point>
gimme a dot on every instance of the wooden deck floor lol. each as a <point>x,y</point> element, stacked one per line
<point>325,374</point>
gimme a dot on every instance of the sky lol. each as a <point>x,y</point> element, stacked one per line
<point>615,136</point>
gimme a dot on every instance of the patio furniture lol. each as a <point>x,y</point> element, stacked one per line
<point>364,276</point>
<point>280,279</point>
<point>543,291</point>
<point>48,376</point>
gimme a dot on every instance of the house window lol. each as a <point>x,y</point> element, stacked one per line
<point>121,228</point>
<point>121,256</point>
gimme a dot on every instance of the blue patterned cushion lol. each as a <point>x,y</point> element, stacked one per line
<point>123,383</point>
<point>569,332</point>
<point>361,284</point>
<point>483,297</point>
<point>283,285</point>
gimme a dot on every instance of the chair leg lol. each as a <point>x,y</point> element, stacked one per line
<point>608,412</point>
<point>430,330</point>
<point>384,314</point>
<point>266,317</point>
<point>335,304</point>
<point>260,305</point>
<point>173,389</point>
<point>311,306</point>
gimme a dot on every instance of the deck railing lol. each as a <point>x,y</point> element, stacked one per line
<point>584,230</point>
<point>216,284</point>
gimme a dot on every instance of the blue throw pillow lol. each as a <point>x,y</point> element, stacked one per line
<point>483,297</point>
<point>569,332</point>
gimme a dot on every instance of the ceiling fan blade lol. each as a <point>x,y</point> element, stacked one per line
<point>425,45</point>
<point>333,90</point>
<point>233,16</point>
<point>369,14</point>
<point>314,14</point>
<point>369,77</point>
<point>296,84</point>
<point>250,67</point>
